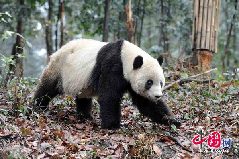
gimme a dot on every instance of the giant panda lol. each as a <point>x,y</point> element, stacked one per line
<point>87,68</point>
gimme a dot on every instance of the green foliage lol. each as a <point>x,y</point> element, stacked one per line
<point>4,67</point>
<point>5,17</point>
<point>19,91</point>
<point>173,128</point>
<point>89,15</point>
<point>33,3</point>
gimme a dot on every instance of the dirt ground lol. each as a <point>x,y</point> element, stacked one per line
<point>58,133</point>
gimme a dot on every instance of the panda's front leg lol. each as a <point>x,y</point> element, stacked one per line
<point>157,112</point>
<point>110,112</point>
<point>110,91</point>
<point>167,115</point>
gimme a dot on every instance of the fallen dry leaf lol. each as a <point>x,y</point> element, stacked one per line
<point>58,133</point>
<point>157,150</point>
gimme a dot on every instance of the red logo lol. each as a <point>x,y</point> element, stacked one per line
<point>213,139</point>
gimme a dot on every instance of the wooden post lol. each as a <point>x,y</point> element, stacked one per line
<point>205,28</point>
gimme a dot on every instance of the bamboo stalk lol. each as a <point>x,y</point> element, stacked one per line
<point>211,32</point>
<point>217,23</point>
<point>209,16</point>
<point>204,24</point>
<point>200,24</point>
<point>212,27</point>
<point>195,22</point>
<point>193,29</point>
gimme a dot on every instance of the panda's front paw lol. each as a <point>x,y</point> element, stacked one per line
<point>175,122</point>
<point>110,125</point>
<point>168,120</point>
<point>84,117</point>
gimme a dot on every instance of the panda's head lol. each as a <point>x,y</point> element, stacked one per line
<point>143,72</point>
<point>147,78</point>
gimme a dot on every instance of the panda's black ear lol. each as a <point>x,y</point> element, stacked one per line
<point>138,62</point>
<point>160,59</point>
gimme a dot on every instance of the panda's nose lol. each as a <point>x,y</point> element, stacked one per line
<point>157,96</point>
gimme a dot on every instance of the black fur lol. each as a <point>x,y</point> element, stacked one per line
<point>138,62</point>
<point>148,84</point>
<point>157,112</point>
<point>109,83</point>
<point>84,107</point>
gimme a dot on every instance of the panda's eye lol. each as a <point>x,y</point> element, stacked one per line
<point>148,84</point>
<point>161,84</point>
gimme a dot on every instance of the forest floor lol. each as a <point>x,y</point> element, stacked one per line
<point>202,108</point>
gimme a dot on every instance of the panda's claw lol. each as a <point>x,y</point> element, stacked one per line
<point>166,120</point>
<point>175,122</point>
<point>83,118</point>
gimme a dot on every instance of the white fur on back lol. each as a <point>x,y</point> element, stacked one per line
<point>76,61</point>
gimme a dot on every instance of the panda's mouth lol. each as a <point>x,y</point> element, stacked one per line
<point>158,99</point>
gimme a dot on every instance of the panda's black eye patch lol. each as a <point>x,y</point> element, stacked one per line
<point>148,84</point>
<point>161,84</point>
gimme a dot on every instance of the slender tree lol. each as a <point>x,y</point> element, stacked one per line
<point>130,25</point>
<point>106,20</point>
<point>17,49</point>
<point>121,32</point>
<point>62,19</point>
<point>48,29</point>
<point>163,39</point>
<point>164,7</point>
<point>226,53</point>
<point>141,22</point>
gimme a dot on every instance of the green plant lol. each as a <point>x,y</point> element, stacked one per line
<point>6,61</point>
<point>19,91</point>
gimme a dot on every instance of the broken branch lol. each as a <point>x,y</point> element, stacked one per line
<point>189,79</point>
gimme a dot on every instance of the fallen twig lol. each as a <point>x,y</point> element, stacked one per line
<point>177,142</point>
<point>194,80</point>
<point>189,79</point>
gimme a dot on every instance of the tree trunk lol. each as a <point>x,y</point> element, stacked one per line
<point>137,20</point>
<point>226,54</point>
<point>149,32</point>
<point>56,26</point>
<point>129,22</point>
<point>161,32</point>
<point>141,23</point>
<point>119,27</point>
<point>163,38</point>
<point>17,49</point>
<point>106,21</point>
<point>205,28</point>
<point>235,61</point>
<point>48,30</point>
<point>62,18</point>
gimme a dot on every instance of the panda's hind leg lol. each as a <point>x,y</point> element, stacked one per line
<point>83,108</point>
